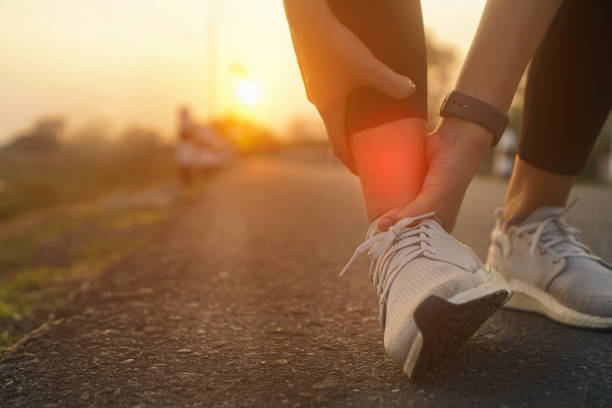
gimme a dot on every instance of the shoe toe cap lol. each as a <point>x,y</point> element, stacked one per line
<point>585,286</point>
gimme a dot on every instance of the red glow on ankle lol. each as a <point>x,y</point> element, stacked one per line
<point>390,161</point>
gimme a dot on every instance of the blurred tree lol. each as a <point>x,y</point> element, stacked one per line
<point>86,164</point>
<point>43,137</point>
<point>138,138</point>
<point>92,137</point>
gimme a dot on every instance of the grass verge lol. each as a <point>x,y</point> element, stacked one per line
<point>43,262</point>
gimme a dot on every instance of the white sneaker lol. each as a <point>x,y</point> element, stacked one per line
<point>434,292</point>
<point>551,271</point>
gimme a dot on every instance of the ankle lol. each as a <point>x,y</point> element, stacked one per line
<point>390,161</point>
<point>531,188</point>
<point>513,209</point>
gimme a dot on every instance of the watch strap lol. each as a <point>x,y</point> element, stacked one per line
<point>476,111</point>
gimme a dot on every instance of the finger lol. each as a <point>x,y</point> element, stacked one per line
<point>420,205</point>
<point>334,123</point>
<point>384,79</point>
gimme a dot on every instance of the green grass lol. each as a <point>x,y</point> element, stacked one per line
<point>13,303</point>
<point>5,342</point>
<point>65,217</point>
<point>18,290</point>
<point>102,237</point>
<point>142,217</point>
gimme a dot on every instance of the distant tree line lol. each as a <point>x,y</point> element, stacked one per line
<point>44,165</point>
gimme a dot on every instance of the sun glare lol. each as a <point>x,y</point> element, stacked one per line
<point>249,92</point>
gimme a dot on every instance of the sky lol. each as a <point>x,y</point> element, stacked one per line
<point>134,62</point>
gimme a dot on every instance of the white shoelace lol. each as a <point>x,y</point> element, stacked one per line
<point>403,236</point>
<point>554,233</point>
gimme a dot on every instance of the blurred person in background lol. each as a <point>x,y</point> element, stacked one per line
<point>363,64</point>
<point>185,145</point>
<point>199,148</point>
<point>503,154</point>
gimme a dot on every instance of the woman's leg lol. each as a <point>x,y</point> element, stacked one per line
<point>421,272</point>
<point>387,135</point>
<point>567,100</point>
<point>569,94</point>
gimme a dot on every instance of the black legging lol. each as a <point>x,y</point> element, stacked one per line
<point>393,31</point>
<point>569,87</point>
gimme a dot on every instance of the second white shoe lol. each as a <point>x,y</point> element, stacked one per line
<point>551,271</point>
<point>434,292</point>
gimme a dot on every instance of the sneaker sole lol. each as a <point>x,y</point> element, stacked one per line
<point>529,298</point>
<point>444,326</point>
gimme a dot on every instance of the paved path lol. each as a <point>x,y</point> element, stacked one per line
<point>237,303</point>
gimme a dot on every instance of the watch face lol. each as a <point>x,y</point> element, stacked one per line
<point>458,103</point>
<point>451,103</point>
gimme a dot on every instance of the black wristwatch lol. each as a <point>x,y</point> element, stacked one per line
<point>477,111</point>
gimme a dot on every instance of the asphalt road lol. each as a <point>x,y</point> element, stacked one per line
<point>236,302</point>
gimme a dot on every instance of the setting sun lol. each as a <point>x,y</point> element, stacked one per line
<point>249,92</point>
<point>183,52</point>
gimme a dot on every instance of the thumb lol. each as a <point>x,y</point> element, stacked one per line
<point>389,82</point>
<point>422,204</point>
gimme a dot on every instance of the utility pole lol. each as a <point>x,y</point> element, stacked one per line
<point>212,107</point>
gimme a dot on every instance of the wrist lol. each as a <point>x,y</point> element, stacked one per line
<point>475,110</point>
